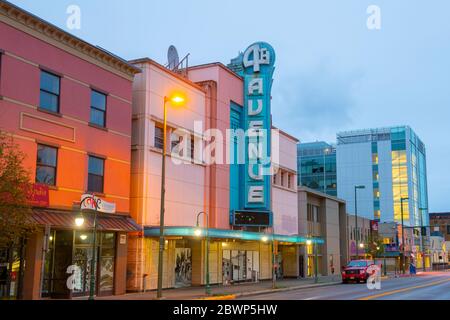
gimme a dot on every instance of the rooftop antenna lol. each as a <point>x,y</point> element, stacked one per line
<point>173,58</point>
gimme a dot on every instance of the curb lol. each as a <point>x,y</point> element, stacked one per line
<point>259,292</point>
<point>225,297</point>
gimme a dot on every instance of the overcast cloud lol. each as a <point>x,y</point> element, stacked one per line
<point>332,72</point>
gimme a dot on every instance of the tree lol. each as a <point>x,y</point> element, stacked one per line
<point>15,187</point>
<point>16,221</point>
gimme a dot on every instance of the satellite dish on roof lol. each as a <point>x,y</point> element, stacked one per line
<point>173,58</point>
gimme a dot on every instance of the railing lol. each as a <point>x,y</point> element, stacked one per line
<point>181,68</point>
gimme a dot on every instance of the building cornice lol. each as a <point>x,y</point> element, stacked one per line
<point>319,194</point>
<point>217,64</point>
<point>43,30</point>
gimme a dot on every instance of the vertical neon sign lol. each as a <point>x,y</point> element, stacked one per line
<point>258,67</point>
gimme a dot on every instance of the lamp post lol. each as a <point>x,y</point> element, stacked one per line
<point>422,238</point>
<point>403,234</point>
<point>325,151</point>
<point>177,100</point>
<point>79,221</point>
<point>198,233</point>
<point>356,218</point>
<point>361,245</point>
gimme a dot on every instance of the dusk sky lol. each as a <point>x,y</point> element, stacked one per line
<point>332,72</point>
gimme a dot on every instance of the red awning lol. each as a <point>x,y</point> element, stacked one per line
<point>66,220</point>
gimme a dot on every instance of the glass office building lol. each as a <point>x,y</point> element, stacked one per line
<point>316,163</point>
<point>391,164</point>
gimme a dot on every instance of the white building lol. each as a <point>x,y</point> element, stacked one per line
<point>391,164</point>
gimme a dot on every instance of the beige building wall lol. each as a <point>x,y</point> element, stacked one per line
<point>331,228</point>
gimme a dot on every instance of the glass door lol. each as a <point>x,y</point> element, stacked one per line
<point>82,258</point>
<point>107,261</point>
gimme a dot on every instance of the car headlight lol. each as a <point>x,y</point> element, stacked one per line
<point>362,271</point>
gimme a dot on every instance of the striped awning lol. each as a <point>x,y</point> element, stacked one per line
<point>66,220</point>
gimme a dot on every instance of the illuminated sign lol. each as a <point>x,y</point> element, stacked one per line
<point>251,218</point>
<point>91,202</point>
<point>258,66</point>
<point>39,196</point>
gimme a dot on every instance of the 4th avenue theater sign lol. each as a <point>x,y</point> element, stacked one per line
<point>257,71</point>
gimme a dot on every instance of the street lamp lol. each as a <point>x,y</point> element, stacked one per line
<point>79,221</point>
<point>198,233</point>
<point>361,245</point>
<point>325,152</point>
<point>403,234</point>
<point>176,100</point>
<point>356,217</point>
<point>422,238</point>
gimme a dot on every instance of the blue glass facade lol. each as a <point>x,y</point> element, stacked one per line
<point>397,173</point>
<point>316,166</point>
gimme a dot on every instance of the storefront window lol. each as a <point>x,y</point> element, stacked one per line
<point>10,264</point>
<point>240,265</point>
<point>70,255</point>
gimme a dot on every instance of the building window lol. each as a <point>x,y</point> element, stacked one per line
<point>50,89</point>
<point>98,108</point>
<point>313,213</point>
<point>282,179</point>
<point>274,178</point>
<point>46,165</point>
<point>289,181</point>
<point>95,174</point>
<point>159,137</point>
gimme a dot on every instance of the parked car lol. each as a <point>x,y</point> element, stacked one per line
<point>356,270</point>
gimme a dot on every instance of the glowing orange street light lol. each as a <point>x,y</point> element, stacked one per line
<point>178,100</point>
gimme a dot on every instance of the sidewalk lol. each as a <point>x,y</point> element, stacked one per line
<point>230,291</point>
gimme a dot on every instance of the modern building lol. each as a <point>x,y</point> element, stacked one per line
<point>322,216</point>
<point>391,164</point>
<point>441,222</point>
<point>250,215</point>
<point>316,163</point>
<point>67,104</point>
<point>384,171</point>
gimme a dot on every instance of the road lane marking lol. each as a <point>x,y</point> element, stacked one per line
<point>375,296</point>
<point>312,298</point>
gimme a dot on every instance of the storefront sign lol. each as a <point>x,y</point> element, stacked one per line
<point>250,218</point>
<point>90,202</point>
<point>374,225</point>
<point>258,67</point>
<point>39,196</point>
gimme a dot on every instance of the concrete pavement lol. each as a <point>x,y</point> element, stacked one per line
<point>231,291</point>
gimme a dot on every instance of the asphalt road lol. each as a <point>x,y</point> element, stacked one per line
<point>424,286</point>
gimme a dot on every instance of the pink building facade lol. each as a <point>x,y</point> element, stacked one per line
<point>200,187</point>
<point>67,105</point>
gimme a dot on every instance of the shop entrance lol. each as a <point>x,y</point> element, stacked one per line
<point>11,270</point>
<point>68,263</point>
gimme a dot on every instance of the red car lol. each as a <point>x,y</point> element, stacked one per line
<point>356,271</point>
